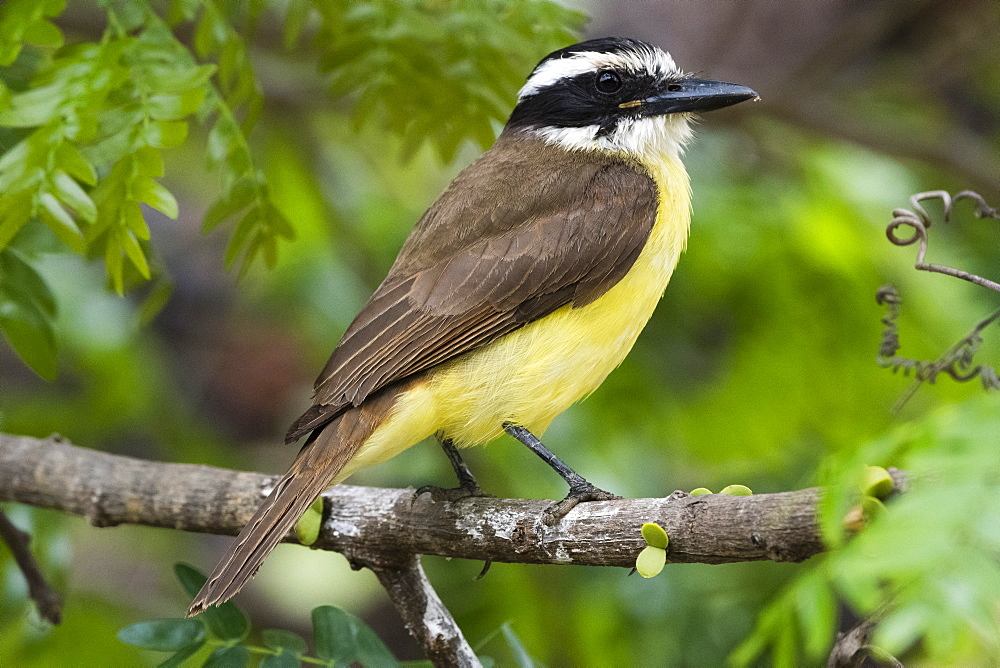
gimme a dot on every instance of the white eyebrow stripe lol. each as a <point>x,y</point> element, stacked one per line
<point>655,61</point>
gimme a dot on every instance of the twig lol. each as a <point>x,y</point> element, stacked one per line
<point>426,618</point>
<point>955,362</point>
<point>919,222</point>
<point>854,649</point>
<point>49,602</point>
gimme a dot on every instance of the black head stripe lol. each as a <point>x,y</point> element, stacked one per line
<point>578,100</point>
<point>575,102</point>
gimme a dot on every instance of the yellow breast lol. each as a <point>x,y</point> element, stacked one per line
<point>535,373</point>
<point>531,375</point>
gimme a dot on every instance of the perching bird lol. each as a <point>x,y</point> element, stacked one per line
<point>520,289</point>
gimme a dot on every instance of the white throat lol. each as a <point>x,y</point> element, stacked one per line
<point>647,139</point>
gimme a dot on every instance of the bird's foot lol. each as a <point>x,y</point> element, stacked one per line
<point>467,485</point>
<point>582,492</point>
<point>466,490</point>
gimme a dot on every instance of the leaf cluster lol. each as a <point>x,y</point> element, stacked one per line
<point>925,570</point>
<point>221,635</point>
<point>426,72</point>
<point>83,127</point>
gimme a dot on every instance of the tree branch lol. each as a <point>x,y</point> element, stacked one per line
<point>367,524</point>
<point>385,529</point>
<point>425,616</point>
<point>46,599</point>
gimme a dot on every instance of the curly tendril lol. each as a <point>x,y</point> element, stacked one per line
<point>957,361</point>
<point>919,221</point>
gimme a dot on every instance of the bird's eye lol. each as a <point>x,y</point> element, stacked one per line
<point>608,82</point>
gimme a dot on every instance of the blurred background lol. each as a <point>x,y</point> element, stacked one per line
<point>757,368</point>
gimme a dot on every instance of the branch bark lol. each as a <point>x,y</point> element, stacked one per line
<point>426,617</point>
<point>367,523</point>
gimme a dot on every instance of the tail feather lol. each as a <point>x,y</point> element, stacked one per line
<point>315,468</point>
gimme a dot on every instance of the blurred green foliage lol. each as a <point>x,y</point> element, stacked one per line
<point>82,127</point>
<point>926,567</point>
<point>758,367</point>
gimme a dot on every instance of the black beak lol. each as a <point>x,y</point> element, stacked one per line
<point>695,95</point>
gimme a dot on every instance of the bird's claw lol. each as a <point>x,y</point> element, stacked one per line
<point>451,494</point>
<point>580,493</point>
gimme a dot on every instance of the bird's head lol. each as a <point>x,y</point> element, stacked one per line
<point>616,95</point>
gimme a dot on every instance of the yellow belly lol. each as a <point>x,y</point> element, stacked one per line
<point>535,373</point>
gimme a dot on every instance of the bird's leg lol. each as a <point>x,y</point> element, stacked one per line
<point>467,485</point>
<point>579,488</point>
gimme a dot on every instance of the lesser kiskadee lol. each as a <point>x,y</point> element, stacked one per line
<point>521,288</point>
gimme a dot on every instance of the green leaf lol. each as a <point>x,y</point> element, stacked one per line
<point>700,491</point>
<point>276,639</point>
<point>34,107</point>
<point>785,652</point>
<point>871,508</point>
<point>44,33</point>
<point>174,106</point>
<point>155,301</point>
<point>654,535</point>
<point>164,635</point>
<point>134,252</point>
<point>149,161</point>
<point>131,215</point>
<point>876,482</point>
<point>72,195</point>
<point>5,96</point>
<point>113,263</point>
<point>283,659</point>
<point>221,141</point>
<point>181,656</point>
<point>18,277</point>
<point>308,526</point>
<point>151,192</point>
<point>32,336</point>
<point>238,198</point>
<point>277,221</point>
<point>295,21</point>
<point>343,638</point>
<point>371,651</point>
<point>69,158</point>
<point>59,220</point>
<point>242,235</point>
<point>237,656</point>
<point>191,579</point>
<point>14,213</point>
<point>333,634</point>
<point>650,561</point>
<point>736,490</point>
<point>180,79</point>
<point>225,621</point>
<point>167,134</point>
<point>817,609</point>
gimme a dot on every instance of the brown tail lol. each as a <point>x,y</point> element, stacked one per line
<point>315,468</point>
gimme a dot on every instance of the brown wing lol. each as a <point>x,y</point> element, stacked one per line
<point>521,232</point>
